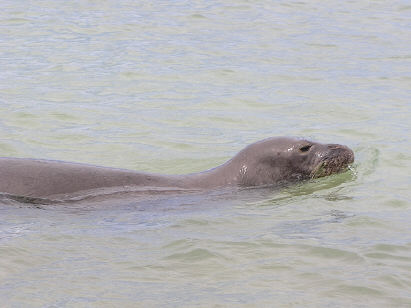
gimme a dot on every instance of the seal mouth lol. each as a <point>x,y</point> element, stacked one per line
<point>333,164</point>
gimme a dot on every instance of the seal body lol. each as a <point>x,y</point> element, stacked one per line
<point>267,162</point>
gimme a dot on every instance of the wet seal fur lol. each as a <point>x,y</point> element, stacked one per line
<point>270,161</point>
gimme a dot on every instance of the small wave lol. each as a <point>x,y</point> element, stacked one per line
<point>99,194</point>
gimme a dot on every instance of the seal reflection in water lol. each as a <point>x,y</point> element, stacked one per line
<point>268,162</point>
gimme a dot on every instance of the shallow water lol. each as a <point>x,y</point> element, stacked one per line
<point>176,87</point>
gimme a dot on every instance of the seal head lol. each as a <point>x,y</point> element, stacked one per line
<point>280,159</point>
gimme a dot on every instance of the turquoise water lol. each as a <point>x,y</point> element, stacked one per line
<point>177,87</point>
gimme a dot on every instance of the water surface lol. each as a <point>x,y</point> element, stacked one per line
<point>181,86</point>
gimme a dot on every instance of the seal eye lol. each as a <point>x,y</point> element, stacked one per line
<point>305,148</point>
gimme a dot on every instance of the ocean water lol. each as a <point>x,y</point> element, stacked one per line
<point>181,86</point>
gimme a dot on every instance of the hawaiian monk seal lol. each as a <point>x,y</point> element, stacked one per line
<point>267,162</point>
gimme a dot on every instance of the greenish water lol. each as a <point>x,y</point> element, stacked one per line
<point>176,87</point>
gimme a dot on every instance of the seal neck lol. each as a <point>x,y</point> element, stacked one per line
<point>227,174</point>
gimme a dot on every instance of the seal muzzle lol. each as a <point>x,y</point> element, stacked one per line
<point>336,160</point>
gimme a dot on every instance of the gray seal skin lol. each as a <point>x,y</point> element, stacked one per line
<point>267,162</point>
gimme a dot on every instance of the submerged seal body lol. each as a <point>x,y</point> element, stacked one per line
<point>267,162</point>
